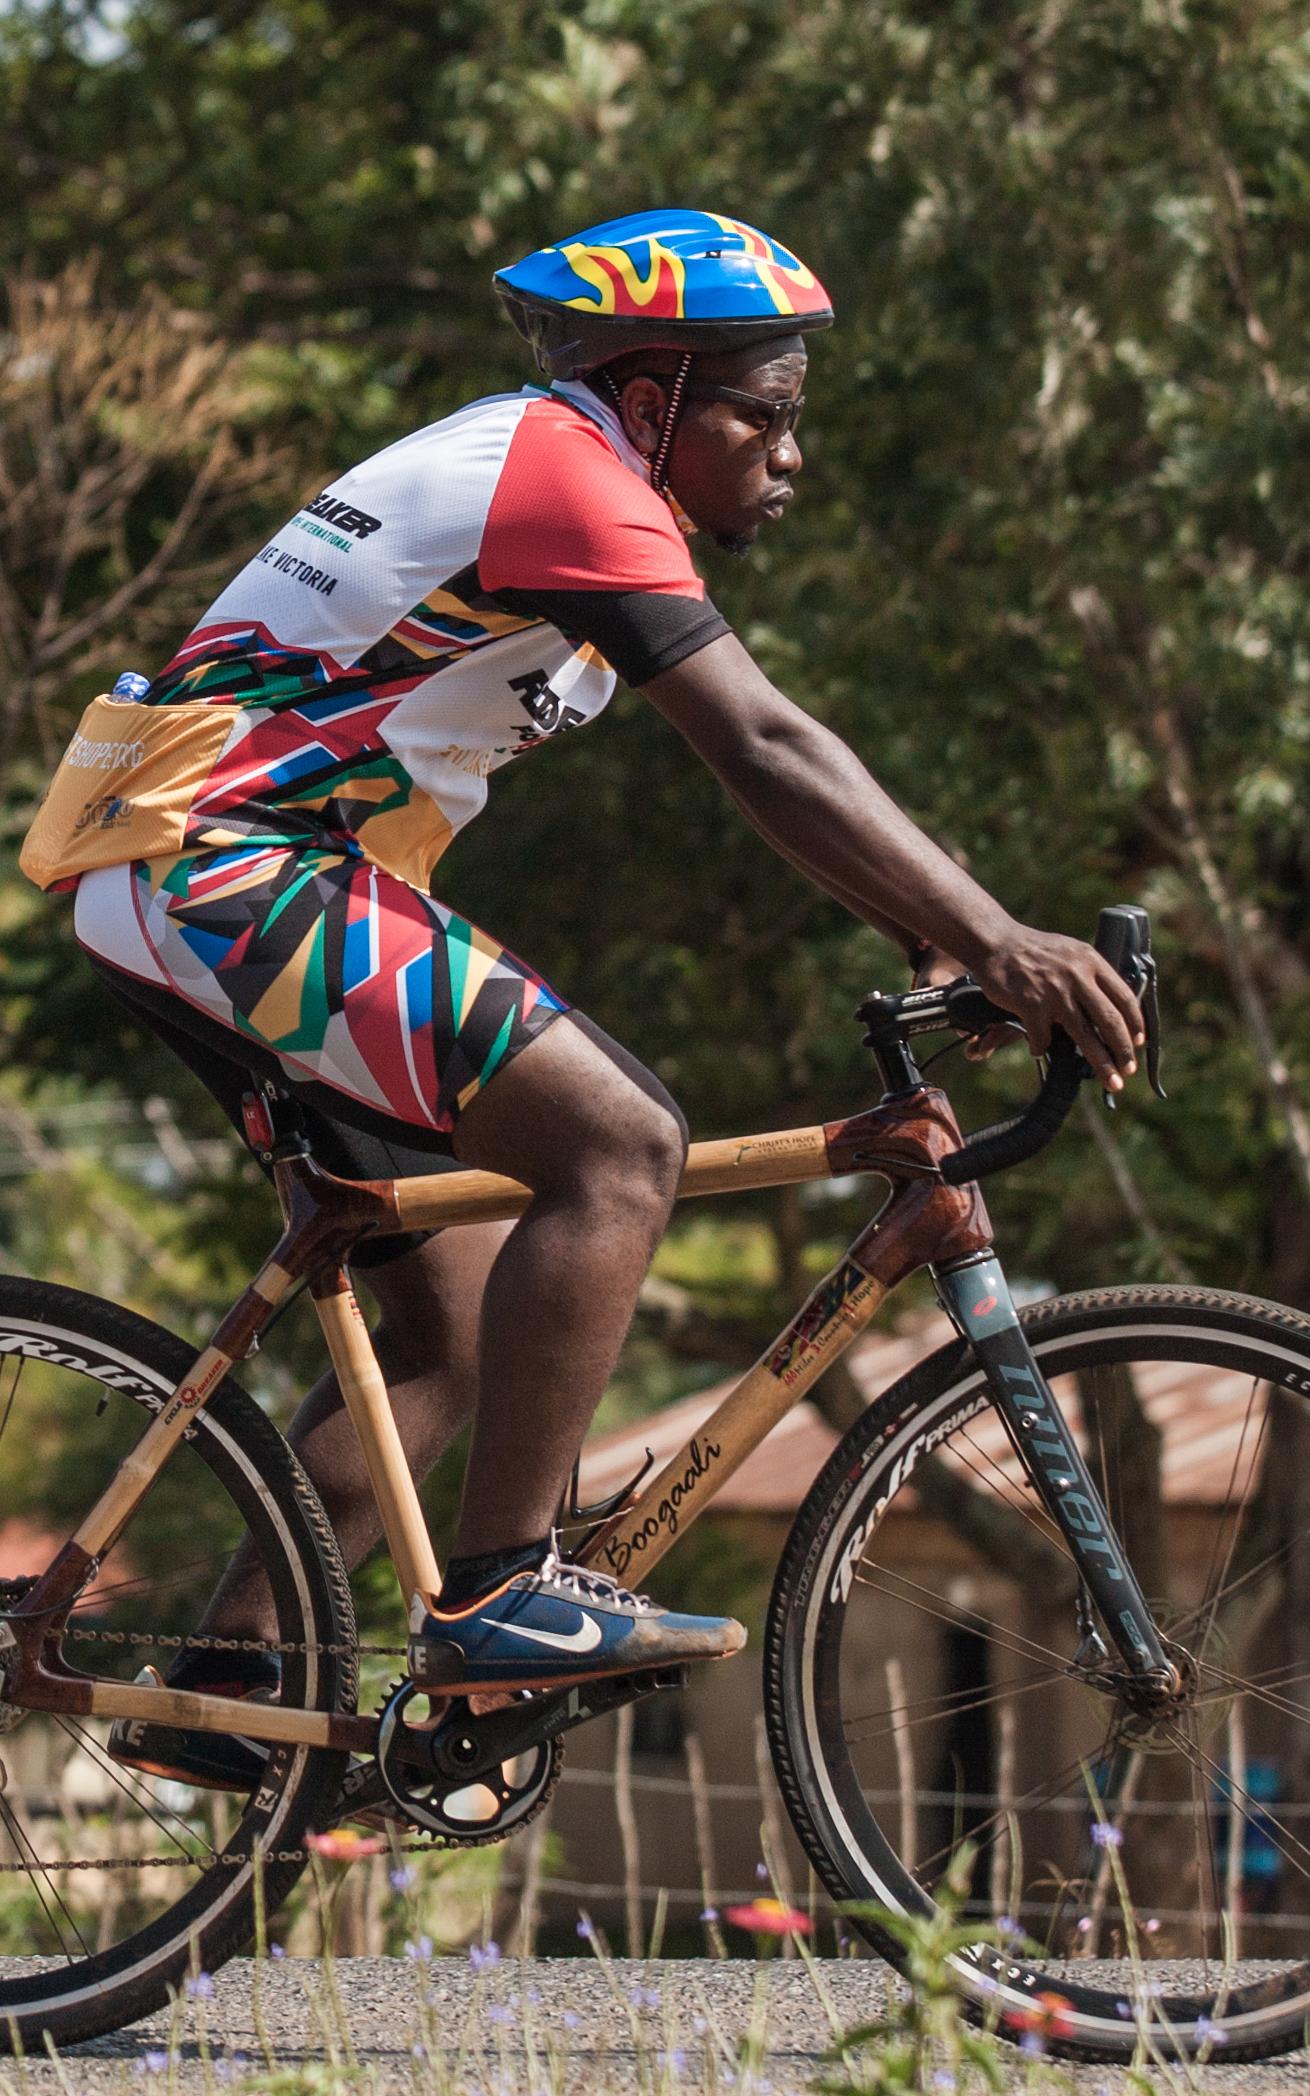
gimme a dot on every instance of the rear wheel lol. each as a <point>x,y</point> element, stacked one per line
<point>114,1885</point>
<point>929,1679</point>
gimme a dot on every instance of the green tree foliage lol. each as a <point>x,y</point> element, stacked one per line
<point>1048,570</point>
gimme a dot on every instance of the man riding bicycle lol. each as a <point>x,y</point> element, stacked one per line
<point>456,600</point>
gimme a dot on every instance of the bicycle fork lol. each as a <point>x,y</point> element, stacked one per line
<point>976,1297</point>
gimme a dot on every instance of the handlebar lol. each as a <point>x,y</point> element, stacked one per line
<point>1123,937</point>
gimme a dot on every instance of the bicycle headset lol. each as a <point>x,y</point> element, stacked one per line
<point>692,281</point>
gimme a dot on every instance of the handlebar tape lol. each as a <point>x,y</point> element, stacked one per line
<point>1024,1134</point>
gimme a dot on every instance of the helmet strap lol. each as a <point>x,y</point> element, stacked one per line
<point>659,465</point>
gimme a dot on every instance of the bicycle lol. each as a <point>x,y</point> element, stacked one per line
<point>1114,1770</point>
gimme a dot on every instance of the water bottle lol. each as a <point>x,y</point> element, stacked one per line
<point>131,685</point>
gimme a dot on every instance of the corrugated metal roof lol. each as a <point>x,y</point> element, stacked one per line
<point>1210,1423</point>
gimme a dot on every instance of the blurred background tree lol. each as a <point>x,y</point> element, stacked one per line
<point>1047,573</point>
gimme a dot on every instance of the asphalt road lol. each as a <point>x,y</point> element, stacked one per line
<point>550,2027</point>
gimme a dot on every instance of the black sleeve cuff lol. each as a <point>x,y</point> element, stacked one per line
<point>639,631</point>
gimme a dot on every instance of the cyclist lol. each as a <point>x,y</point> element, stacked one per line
<point>459,599</point>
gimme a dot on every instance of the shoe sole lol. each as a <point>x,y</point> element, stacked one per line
<point>195,1779</point>
<point>540,1683</point>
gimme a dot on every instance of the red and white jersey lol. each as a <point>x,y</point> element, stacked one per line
<point>440,609</point>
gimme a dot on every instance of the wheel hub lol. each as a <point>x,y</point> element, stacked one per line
<point>1147,1710</point>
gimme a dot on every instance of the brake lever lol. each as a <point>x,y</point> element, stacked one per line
<point>1148,998</point>
<point>1123,937</point>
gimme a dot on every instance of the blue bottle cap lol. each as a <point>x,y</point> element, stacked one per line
<point>131,685</point>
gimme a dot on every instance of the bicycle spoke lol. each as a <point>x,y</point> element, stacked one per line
<point>149,1582</point>
<point>129,1782</point>
<point>1260,1816</point>
<point>36,1871</point>
<point>948,1613</point>
<point>1218,1585</point>
<point>1035,1515</point>
<point>1041,1794</point>
<point>950,1705</point>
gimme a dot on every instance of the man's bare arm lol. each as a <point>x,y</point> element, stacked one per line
<point>809,795</point>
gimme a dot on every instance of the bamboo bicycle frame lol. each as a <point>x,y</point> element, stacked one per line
<point>923,1221</point>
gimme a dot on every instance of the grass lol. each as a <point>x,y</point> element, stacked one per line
<point>498,2038</point>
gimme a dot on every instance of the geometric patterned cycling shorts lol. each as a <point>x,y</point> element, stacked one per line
<point>361,987</point>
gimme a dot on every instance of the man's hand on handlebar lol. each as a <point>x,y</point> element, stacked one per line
<point>942,968</point>
<point>1047,980</point>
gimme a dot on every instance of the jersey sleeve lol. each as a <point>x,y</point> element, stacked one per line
<point>574,537</point>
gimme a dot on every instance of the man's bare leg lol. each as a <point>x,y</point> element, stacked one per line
<point>602,1146</point>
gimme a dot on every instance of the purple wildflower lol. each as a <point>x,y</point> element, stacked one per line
<point>419,1952</point>
<point>403,1879</point>
<point>497,2013</point>
<point>1209,2033</point>
<point>200,1987</point>
<point>1106,1836</point>
<point>1033,2044</point>
<point>709,1914</point>
<point>484,1955</point>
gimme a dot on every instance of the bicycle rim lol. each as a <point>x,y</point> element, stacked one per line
<point>115,1882</point>
<point>925,1685</point>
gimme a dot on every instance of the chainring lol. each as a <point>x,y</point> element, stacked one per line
<point>500,1802</point>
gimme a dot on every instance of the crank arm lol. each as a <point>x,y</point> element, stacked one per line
<point>463,1747</point>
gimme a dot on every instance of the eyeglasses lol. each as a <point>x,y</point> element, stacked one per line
<point>777,418</point>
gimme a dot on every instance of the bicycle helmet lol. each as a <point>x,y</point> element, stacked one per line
<point>688,280</point>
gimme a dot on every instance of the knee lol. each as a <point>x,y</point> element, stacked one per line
<point>630,1152</point>
<point>656,1148</point>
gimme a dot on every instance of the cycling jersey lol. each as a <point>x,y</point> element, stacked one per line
<point>330,724</point>
<point>439,610</point>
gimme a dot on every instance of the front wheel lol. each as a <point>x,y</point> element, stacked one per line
<point>114,1883</point>
<point>931,1683</point>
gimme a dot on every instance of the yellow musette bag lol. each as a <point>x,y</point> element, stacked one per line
<point>123,788</point>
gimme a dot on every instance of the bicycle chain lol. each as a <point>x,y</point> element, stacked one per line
<point>218,1644</point>
<point>428,1845</point>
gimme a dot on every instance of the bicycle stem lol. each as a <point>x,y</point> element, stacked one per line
<point>976,1297</point>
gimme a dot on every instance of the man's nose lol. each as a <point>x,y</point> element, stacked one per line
<point>787,456</point>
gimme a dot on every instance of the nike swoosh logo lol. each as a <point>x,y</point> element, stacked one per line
<point>584,1639</point>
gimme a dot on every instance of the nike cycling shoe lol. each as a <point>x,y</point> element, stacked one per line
<point>553,1626</point>
<point>208,1760</point>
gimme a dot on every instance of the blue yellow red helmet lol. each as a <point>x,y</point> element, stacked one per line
<point>689,280</point>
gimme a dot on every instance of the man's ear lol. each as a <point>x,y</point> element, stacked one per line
<point>645,405</point>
